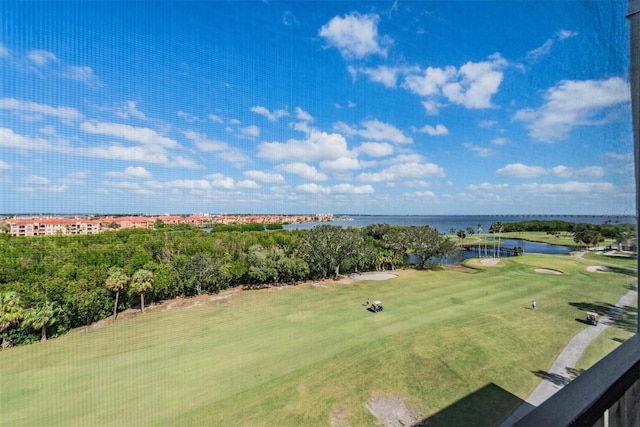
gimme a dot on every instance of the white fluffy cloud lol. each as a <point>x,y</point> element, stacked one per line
<point>472,85</point>
<point>303,115</point>
<point>375,130</point>
<point>251,131</point>
<point>403,168</point>
<point>215,118</point>
<point>480,151</point>
<point>375,149</point>
<point>203,143</point>
<point>519,170</point>
<point>82,74</point>
<point>248,184</point>
<point>218,180</point>
<point>130,109</point>
<point>571,187</point>
<point>303,170</point>
<point>132,172</point>
<point>41,57</point>
<point>388,76</point>
<point>438,130</point>
<point>271,178</point>
<point>317,147</point>
<point>140,153</point>
<point>271,116</point>
<point>342,164</point>
<point>430,83</point>
<point>63,113</point>
<point>336,189</point>
<point>355,35</point>
<point>140,135</point>
<point>574,103</point>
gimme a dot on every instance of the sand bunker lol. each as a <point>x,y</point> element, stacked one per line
<point>547,271</point>
<point>490,261</point>
<point>598,269</point>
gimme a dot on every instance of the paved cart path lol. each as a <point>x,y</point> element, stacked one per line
<point>560,373</point>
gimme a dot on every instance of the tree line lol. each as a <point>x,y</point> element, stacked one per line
<point>50,284</point>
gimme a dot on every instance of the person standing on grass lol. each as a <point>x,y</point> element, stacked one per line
<point>533,305</point>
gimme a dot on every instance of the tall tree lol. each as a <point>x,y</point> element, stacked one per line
<point>324,246</point>
<point>116,282</point>
<point>587,234</point>
<point>496,227</point>
<point>10,313</point>
<point>397,239</point>
<point>203,272</point>
<point>479,240</point>
<point>42,317</point>
<point>141,282</point>
<point>425,242</point>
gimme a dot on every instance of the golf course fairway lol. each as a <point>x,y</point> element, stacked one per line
<point>312,354</point>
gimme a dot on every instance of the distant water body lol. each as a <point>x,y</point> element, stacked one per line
<point>444,223</point>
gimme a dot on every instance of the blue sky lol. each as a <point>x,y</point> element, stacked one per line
<point>315,107</point>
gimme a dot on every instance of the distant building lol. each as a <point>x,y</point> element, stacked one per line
<point>52,226</point>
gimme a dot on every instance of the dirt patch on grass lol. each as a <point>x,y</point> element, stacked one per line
<point>547,271</point>
<point>391,411</point>
<point>461,268</point>
<point>598,269</point>
<point>339,417</point>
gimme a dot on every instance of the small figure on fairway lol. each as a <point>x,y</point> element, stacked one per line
<point>533,305</point>
<point>367,301</point>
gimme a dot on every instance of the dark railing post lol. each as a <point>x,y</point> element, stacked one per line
<point>634,79</point>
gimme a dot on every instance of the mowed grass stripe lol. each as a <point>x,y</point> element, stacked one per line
<point>441,335</point>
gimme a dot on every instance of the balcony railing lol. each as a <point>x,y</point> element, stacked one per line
<point>607,394</point>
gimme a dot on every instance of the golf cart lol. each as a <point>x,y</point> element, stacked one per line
<point>592,318</point>
<point>376,306</point>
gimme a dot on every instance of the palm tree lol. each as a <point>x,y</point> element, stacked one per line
<point>116,282</point>
<point>42,317</point>
<point>10,313</point>
<point>479,240</point>
<point>141,282</point>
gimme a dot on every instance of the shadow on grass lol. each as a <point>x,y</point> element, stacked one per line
<point>623,270</point>
<point>488,406</point>
<point>625,318</point>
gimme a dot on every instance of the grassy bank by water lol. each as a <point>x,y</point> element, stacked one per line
<point>312,354</point>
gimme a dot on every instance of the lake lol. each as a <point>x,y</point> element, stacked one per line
<point>444,223</point>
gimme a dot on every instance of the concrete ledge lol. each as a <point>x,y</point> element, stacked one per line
<point>584,400</point>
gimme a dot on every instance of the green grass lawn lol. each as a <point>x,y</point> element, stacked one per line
<point>312,355</point>
<point>565,239</point>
